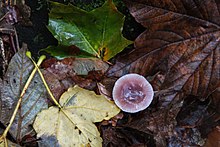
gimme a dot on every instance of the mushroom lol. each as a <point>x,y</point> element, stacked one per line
<point>132,93</point>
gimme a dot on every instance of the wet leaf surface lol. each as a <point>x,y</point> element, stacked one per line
<point>33,101</point>
<point>184,49</point>
<point>62,74</point>
<point>98,32</point>
<point>8,17</point>
<point>125,137</point>
<point>213,138</point>
<point>178,54</point>
<point>181,43</point>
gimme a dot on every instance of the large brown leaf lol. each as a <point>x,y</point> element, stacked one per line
<point>181,42</point>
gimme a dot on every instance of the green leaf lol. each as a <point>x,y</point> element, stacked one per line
<point>62,51</point>
<point>97,32</point>
<point>74,124</point>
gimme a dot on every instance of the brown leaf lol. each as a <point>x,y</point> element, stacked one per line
<point>106,86</point>
<point>213,138</point>
<point>159,123</point>
<point>123,137</point>
<point>62,74</point>
<point>181,42</point>
<point>186,137</point>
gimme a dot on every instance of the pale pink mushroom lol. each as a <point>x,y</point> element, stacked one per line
<point>132,93</point>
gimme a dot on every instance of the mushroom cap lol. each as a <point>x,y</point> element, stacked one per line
<point>132,93</point>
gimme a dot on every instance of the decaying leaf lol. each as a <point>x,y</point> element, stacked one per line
<point>213,138</point>
<point>33,101</point>
<point>97,32</point>
<point>80,66</point>
<point>73,126</point>
<point>62,74</point>
<point>181,42</point>
<point>124,137</point>
<point>7,143</point>
<point>47,141</point>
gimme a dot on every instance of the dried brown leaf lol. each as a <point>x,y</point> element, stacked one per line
<point>213,138</point>
<point>62,74</point>
<point>181,42</point>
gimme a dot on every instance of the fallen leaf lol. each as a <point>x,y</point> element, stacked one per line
<point>47,141</point>
<point>193,112</point>
<point>159,123</point>
<point>97,32</point>
<point>123,137</point>
<point>186,137</point>
<point>80,66</point>
<point>213,138</point>
<point>33,101</point>
<point>106,86</point>
<point>62,74</point>
<point>62,51</point>
<point>73,126</point>
<point>176,44</point>
<point>9,143</point>
<point>180,42</point>
<point>8,17</point>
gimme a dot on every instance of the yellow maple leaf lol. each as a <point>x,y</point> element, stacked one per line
<point>73,125</point>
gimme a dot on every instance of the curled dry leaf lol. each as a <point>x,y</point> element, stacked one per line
<point>73,125</point>
<point>106,86</point>
<point>33,101</point>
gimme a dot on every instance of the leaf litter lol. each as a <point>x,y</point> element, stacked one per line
<point>181,43</point>
<point>62,74</point>
<point>33,101</point>
<point>179,54</point>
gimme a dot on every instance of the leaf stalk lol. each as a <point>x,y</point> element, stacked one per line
<point>3,136</point>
